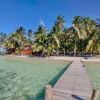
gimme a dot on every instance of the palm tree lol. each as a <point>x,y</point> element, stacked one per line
<point>56,32</point>
<point>10,42</point>
<point>78,24</point>
<point>16,40</point>
<point>60,23</point>
<point>30,34</point>
<point>53,43</point>
<point>84,27</point>
<point>20,36</point>
<point>72,40</point>
<point>39,42</point>
<point>94,42</point>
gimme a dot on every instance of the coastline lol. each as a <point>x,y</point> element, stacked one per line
<point>90,59</point>
<point>67,58</point>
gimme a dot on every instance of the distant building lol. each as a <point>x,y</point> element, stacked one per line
<point>27,50</point>
<point>3,51</point>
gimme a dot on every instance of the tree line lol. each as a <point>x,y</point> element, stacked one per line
<point>83,37</point>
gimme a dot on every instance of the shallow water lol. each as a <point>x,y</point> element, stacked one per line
<point>28,76</point>
<point>93,69</point>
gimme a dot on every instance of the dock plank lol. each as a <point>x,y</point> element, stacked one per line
<point>74,84</point>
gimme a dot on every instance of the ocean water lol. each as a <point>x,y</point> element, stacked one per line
<point>26,78</point>
<point>93,69</point>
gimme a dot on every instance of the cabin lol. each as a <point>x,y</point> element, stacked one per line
<point>27,50</point>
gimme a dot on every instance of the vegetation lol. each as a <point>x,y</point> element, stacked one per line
<point>82,37</point>
<point>2,37</point>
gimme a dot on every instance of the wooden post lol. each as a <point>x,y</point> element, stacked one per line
<point>82,63</point>
<point>95,94</point>
<point>48,92</point>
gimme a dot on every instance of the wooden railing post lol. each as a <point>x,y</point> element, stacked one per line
<point>82,63</point>
<point>48,92</point>
<point>95,94</point>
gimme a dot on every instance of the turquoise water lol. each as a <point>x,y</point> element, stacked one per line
<point>94,74</point>
<point>27,77</point>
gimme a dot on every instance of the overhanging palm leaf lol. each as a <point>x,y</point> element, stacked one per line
<point>56,40</point>
<point>94,42</point>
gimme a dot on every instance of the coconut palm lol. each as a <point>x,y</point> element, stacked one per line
<point>56,32</point>
<point>59,25</point>
<point>30,34</point>
<point>94,42</point>
<point>39,42</point>
<point>20,36</point>
<point>84,27</point>
<point>10,42</point>
<point>53,43</point>
<point>72,40</point>
<point>77,24</point>
<point>16,40</point>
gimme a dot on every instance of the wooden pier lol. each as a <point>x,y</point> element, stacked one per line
<point>74,84</point>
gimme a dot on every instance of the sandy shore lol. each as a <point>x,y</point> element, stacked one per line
<point>67,58</point>
<point>93,59</point>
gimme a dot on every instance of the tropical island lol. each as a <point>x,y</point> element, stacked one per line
<point>82,38</point>
<point>49,50</point>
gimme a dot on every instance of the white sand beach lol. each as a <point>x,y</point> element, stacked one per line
<point>93,59</point>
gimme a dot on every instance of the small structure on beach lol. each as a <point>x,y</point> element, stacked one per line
<point>27,50</point>
<point>3,50</point>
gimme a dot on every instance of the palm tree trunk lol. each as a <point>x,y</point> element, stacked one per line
<point>58,52</point>
<point>99,53</point>
<point>82,47</point>
<point>20,49</point>
<point>75,49</point>
<point>91,53</point>
<point>64,50</point>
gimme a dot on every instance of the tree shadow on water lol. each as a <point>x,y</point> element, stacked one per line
<point>40,96</point>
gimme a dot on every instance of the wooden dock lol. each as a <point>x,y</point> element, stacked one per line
<point>74,84</point>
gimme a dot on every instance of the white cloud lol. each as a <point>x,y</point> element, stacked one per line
<point>42,22</point>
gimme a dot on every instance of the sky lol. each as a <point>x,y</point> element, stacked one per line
<point>31,13</point>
